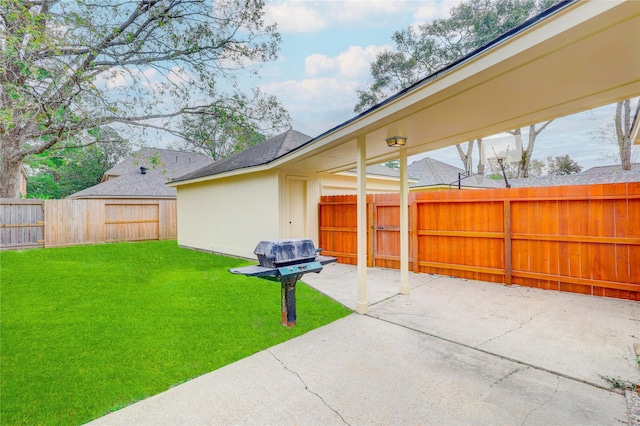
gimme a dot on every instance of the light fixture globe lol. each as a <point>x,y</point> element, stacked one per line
<point>396,141</point>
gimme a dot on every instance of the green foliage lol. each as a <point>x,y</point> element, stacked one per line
<point>62,172</point>
<point>44,186</point>
<point>219,133</point>
<point>71,66</point>
<point>562,165</point>
<point>419,53</point>
<point>87,330</point>
<point>536,169</point>
<point>393,164</point>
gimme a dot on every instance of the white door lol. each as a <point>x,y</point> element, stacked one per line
<point>297,209</point>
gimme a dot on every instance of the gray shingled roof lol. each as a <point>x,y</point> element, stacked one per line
<point>610,169</point>
<point>257,155</point>
<point>126,181</point>
<point>431,172</point>
<point>379,170</point>
<point>578,179</point>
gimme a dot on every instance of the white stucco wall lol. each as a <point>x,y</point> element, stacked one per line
<point>229,215</point>
<point>339,184</point>
<point>232,215</point>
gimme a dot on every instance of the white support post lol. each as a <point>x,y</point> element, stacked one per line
<point>404,224</point>
<point>362,306</point>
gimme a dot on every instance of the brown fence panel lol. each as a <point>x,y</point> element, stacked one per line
<point>73,222</point>
<point>337,219</point>
<point>583,239</point>
<point>131,222</point>
<point>21,223</point>
<point>386,231</point>
<point>459,236</point>
<point>55,223</point>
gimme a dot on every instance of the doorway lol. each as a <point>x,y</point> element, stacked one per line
<point>296,207</point>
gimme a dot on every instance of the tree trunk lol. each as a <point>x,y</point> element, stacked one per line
<point>525,162</point>
<point>480,163</point>
<point>623,125</point>
<point>10,163</point>
<point>9,178</point>
<point>466,158</point>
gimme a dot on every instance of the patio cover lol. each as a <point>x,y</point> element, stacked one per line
<point>573,57</point>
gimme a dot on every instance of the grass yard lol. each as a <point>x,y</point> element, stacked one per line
<point>88,330</point>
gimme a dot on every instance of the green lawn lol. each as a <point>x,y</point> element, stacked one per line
<point>87,330</point>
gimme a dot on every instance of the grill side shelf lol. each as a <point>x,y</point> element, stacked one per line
<point>254,271</point>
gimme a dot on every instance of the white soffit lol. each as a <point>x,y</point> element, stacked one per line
<point>584,56</point>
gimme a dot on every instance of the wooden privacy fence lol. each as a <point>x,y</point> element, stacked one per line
<point>21,223</point>
<point>583,239</point>
<point>55,223</point>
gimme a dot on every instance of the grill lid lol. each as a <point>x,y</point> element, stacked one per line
<point>275,253</point>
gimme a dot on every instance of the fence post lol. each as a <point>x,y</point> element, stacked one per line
<point>371,222</point>
<point>507,242</point>
<point>413,225</point>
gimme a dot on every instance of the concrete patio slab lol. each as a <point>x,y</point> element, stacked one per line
<point>451,352</point>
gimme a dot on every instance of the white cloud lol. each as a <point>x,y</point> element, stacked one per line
<point>178,76</point>
<point>300,16</point>
<point>112,80</point>
<point>295,16</point>
<point>316,105</point>
<point>352,63</point>
<point>429,11</point>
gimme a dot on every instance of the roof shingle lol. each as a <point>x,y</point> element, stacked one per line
<point>125,180</point>
<point>257,155</point>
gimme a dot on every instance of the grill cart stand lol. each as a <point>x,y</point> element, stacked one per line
<point>286,261</point>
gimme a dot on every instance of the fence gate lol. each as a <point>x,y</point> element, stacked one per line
<point>132,222</point>
<point>385,232</point>
<point>21,223</point>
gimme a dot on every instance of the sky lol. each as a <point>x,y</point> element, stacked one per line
<point>326,50</point>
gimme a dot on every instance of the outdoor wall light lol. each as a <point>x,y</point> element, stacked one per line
<point>396,141</point>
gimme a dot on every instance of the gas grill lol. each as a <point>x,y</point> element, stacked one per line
<point>286,261</point>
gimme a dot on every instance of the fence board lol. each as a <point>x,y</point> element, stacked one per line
<point>583,239</point>
<point>21,223</point>
<point>72,222</point>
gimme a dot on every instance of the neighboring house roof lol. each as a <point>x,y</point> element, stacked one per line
<point>578,179</point>
<point>125,180</point>
<point>609,169</point>
<point>381,170</point>
<point>256,155</point>
<point>431,172</point>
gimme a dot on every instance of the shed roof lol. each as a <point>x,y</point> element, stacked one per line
<point>125,179</point>
<point>256,155</point>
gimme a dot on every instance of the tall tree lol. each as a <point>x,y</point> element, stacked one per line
<point>524,165</point>
<point>562,165</point>
<point>225,131</point>
<point>465,157</point>
<point>71,167</point>
<point>68,67</point>
<point>618,132</point>
<point>624,121</point>
<point>422,51</point>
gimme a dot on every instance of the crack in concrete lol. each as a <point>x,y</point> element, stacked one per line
<point>544,403</point>
<point>506,376</point>
<point>306,387</point>
<point>509,331</point>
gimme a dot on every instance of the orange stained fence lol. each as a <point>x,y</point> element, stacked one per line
<point>583,239</point>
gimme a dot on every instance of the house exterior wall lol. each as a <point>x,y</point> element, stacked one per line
<point>229,215</point>
<point>232,215</point>
<point>338,184</point>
